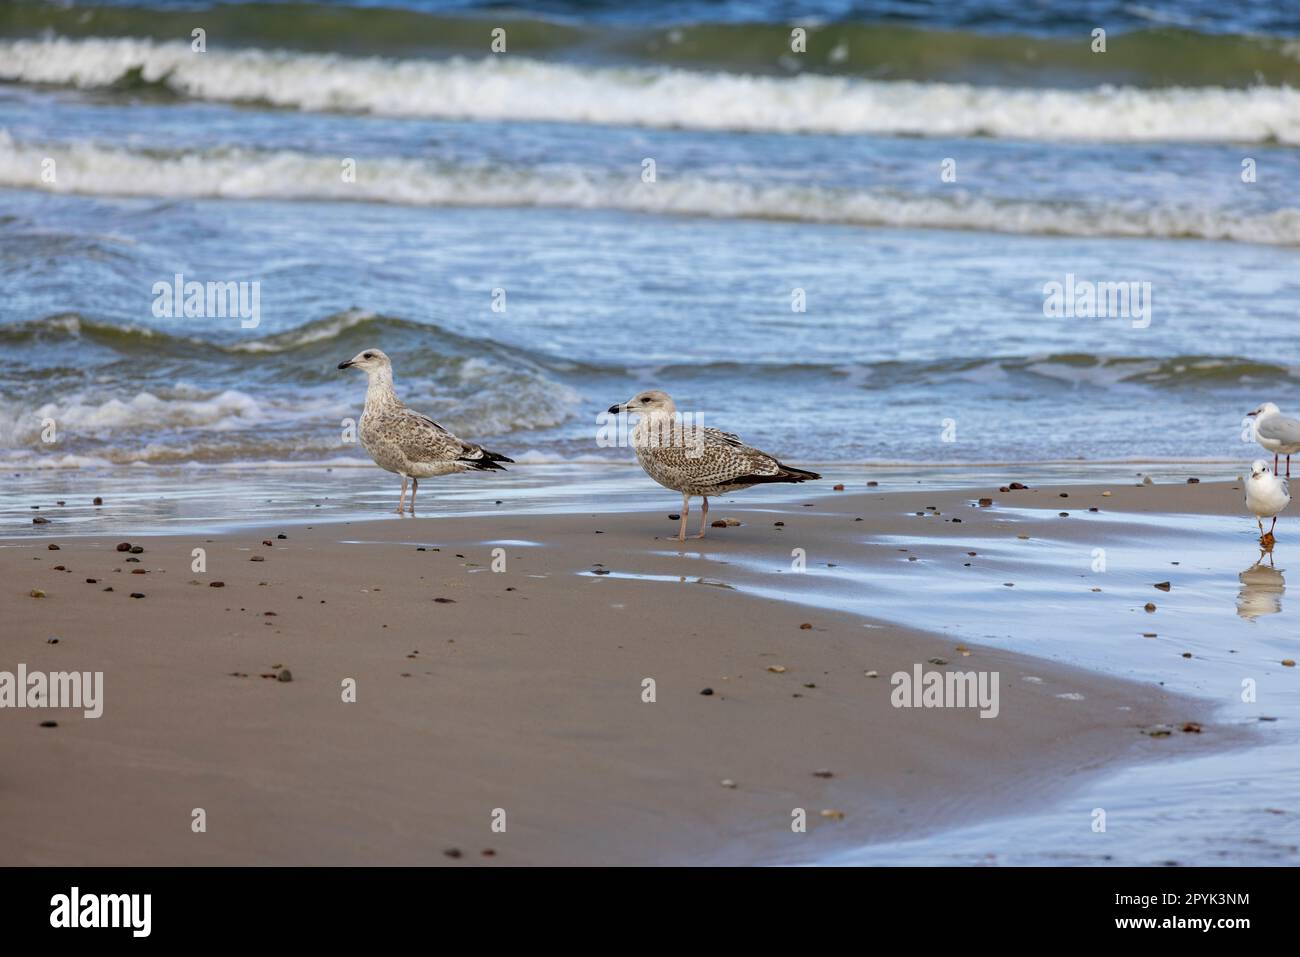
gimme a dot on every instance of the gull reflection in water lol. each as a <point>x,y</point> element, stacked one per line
<point>1262,587</point>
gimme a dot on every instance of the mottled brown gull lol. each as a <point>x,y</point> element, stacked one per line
<point>402,440</point>
<point>694,460</point>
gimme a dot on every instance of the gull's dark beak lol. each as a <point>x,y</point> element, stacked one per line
<point>348,365</point>
<point>1251,415</point>
<point>615,409</point>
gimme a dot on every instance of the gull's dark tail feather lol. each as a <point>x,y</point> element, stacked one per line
<point>784,473</point>
<point>486,461</point>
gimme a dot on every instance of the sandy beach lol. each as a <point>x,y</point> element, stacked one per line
<point>517,691</point>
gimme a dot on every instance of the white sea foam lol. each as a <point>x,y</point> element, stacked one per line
<point>285,175</point>
<point>517,88</point>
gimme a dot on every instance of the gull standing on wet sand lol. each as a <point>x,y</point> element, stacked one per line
<point>1277,433</point>
<point>402,440</point>
<point>1266,495</point>
<point>694,460</point>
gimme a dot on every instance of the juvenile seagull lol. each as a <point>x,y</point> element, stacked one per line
<point>402,440</point>
<point>1266,495</point>
<point>694,460</point>
<point>1277,433</point>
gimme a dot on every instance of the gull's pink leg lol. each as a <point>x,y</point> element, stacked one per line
<point>402,501</point>
<point>704,519</point>
<point>681,526</point>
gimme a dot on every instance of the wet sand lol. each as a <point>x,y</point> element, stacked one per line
<point>521,690</point>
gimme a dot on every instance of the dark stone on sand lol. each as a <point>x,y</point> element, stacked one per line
<point>600,571</point>
<point>1163,586</point>
<point>136,560</point>
<point>109,588</point>
<point>216,584</point>
<point>1065,495</point>
<point>718,524</point>
<point>257,558</point>
<point>137,594</point>
<point>92,581</point>
<point>97,501</point>
<point>1193,481</point>
<point>123,546</point>
<point>452,852</point>
<point>937,661</point>
<point>872,484</point>
<point>1017,486</point>
<point>707,691</point>
<point>985,502</point>
<point>823,773</point>
<point>51,641</point>
<point>1150,606</point>
<point>139,571</point>
<point>674,517</point>
<point>267,542</point>
<point>52,547</point>
<point>779,524</point>
<point>137,549</point>
<point>282,537</point>
<point>40,521</point>
<point>445,601</point>
<point>284,675</point>
<point>49,724</point>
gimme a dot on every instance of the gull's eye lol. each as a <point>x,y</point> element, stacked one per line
<point>645,400</point>
<point>368,355</point>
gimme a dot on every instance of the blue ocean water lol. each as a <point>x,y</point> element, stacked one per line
<point>840,253</point>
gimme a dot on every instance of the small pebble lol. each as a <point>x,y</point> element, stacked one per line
<point>284,676</point>
<point>52,547</point>
<point>137,549</point>
<point>97,501</point>
<point>123,546</point>
<point>257,558</point>
<point>136,594</point>
<point>216,584</point>
<point>1150,606</point>
<point>707,691</point>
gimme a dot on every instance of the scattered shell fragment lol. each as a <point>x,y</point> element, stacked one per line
<point>832,814</point>
<point>776,669</point>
